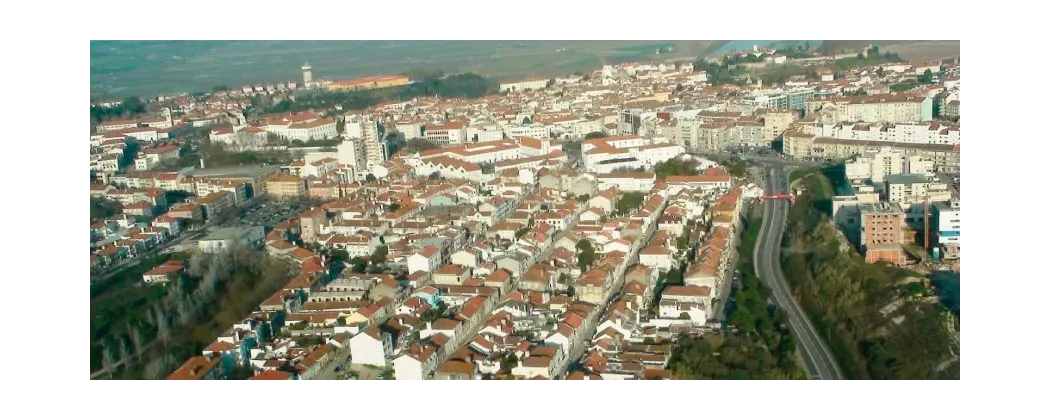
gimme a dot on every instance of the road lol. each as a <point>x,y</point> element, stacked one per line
<point>340,358</point>
<point>817,359</point>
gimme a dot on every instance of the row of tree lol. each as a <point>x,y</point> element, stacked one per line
<point>128,108</point>
<point>217,291</point>
<point>464,85</point>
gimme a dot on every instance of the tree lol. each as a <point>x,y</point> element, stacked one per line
<point>103,207</point>
<point>339,254</point>
<point>160,367</point>
<point>434,176</point>
<point>526,120</point>
<point>594,135</point>
<point>379,255</point>
<point>927,77</point>
<point>860,56</point>
<point>393,207</point>
<point>674,276</point>
<point>873,51</point>
<point>163,329</point>
<point>358,264</point>
<point>584,254</point>
<point>136,339</point>
<point>416,145</point>
<point>370,178</point>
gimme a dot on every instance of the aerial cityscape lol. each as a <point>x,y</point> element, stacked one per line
<point>525,210</point>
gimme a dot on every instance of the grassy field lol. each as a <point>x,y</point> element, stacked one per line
<point>926,50</point>
<point>124,68</point>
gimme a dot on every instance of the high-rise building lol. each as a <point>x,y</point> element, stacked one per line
<point>308,74</point>
<point>375,148</point>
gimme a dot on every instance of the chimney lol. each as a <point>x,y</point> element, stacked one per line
<point>202,163</point>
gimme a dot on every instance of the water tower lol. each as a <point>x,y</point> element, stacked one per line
<point>308,74</point>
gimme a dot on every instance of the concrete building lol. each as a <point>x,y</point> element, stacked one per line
<point>945,157</point>
<point>892,108</point>
<point>369,82</point>
<point>225,238</point>
<point>882,232</point>
<point>452,132</point>
<point>907,189</point>
<point>308,74</point>
<point>534,83</point>
<point>283,186</point>
<point>925,133</point>
<point>946,224</point>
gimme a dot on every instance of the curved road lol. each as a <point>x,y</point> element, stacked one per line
<point>817,359</point>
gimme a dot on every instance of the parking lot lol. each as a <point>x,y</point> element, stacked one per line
<point>269,213</point>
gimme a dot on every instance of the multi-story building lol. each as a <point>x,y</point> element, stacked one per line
<point>452,132</point>
<point>748,133</point>
<point>951,109</point>
<point>893,108</point>
<point>712,137</point>
<point>283,186</point>
<point>627,181</point>
<point>909,189</point>
<point>324,128</point>
<point>216,203</point>
<point>370,82</point>
<point>533,83</point>
<point>410,129</point>
<point>947,227</point>
<point>776,122</point>
<point>528,130</point>
<point>932,133</point>
<point>310,222</point>
<point>882,232</point>
<point>203,187</point>
<point>797,143</point>
<point>878,166</point>
<point>375,147</point>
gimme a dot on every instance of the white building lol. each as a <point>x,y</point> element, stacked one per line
<point>607,154</point>
<point>452,132</point>
<point>450,168</point>
<point>534,83</point>
<point>427,260</point>
<point>416,364</point>
<point>528,130</point>
<point>371,347</point>
<point>490,152</point>
<point>410,129</point>
<point>932,133</point>
<point>225,238</point>
<point>627,181</point>
<point>948,225</point>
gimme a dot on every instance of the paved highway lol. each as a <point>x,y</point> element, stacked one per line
<point>817,359</point>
